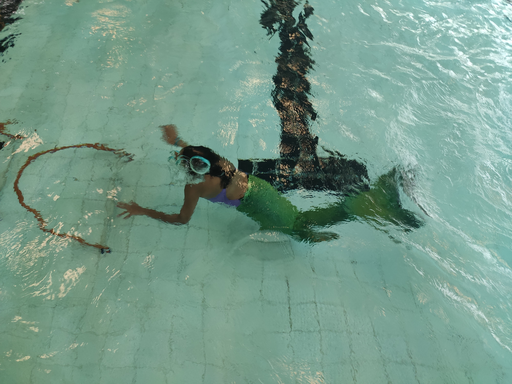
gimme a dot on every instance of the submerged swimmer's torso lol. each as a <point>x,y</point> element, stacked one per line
<point>222,198</point>
<point>230,195</point>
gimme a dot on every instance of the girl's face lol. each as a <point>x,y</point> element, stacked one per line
<point>194,162</point>
<point>181,174</point>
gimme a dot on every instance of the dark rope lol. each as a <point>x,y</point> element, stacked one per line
<point>41,222</point>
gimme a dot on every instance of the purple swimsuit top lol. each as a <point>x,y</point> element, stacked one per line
<point>222,198</point>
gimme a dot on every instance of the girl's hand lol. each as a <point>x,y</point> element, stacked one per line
<point>131,209</point>
<point>169,133</point>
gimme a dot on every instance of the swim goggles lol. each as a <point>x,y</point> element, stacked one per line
<point>198,164</point>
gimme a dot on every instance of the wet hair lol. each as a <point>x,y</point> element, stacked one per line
<point>219,167</point>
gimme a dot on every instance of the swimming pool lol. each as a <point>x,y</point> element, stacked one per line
<point>421,86</point>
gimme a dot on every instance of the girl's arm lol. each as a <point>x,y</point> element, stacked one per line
<point>170,135</point>
<point>192,195</point>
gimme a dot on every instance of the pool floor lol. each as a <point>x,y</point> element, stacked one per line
<point>214,301</point>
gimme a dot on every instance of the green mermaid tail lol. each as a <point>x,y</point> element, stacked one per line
<point>272,210</point>
<point>382,202</point>
<point>268,207</point>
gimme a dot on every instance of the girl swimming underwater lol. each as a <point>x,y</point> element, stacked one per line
<point>221,182</point>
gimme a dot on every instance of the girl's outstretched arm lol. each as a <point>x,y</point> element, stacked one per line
<point>191,198</point>
<point>134,209</point>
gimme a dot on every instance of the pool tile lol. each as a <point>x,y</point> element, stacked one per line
<point>304,317</point>
<point>331,318</point>
<point>431,374</point>
<point>327,291</point>
<point>144,235</point>
<point>153,350</point>
<point>121,375</point>
<point>146,375</point>
<point>358,323</point>
<point>218,320</point>
<point>246,317</point>
<point>301,290</point>
<point>339,372</point>
<point>15,349</point>
<point>402,373</point>
<point>275,317</point>
<point>246,288</point>
<point>305,346</point>
<point>187,351</point>
<point>68,317</point>
<point>97,318</point>
<point>89,350</point>
<point>274,290</point>
<point>335,347</point>
<point>120,350</point>
<point>133,289</point>
<point>43,374</point>
<point>219,293</point>
<point>366,345</point>
<point>370,371</point>
<point>423,350</point>
<point>401,298</point>
<point>163,293</point>
<point>187,372</point>
<point>61,348</point>
<point>194,240</point>
<point>394,349</point>
<point>86,373</point>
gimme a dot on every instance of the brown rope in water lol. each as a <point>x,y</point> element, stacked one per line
<point>3,130</point>
<point>41,222</point>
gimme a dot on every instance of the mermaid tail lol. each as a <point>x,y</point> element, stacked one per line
<point>382,202</point>
<point>272,210</point>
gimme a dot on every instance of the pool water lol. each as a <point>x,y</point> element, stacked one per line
<point>418,85</point>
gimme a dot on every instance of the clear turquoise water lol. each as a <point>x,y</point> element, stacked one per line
<point>424,86</point>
